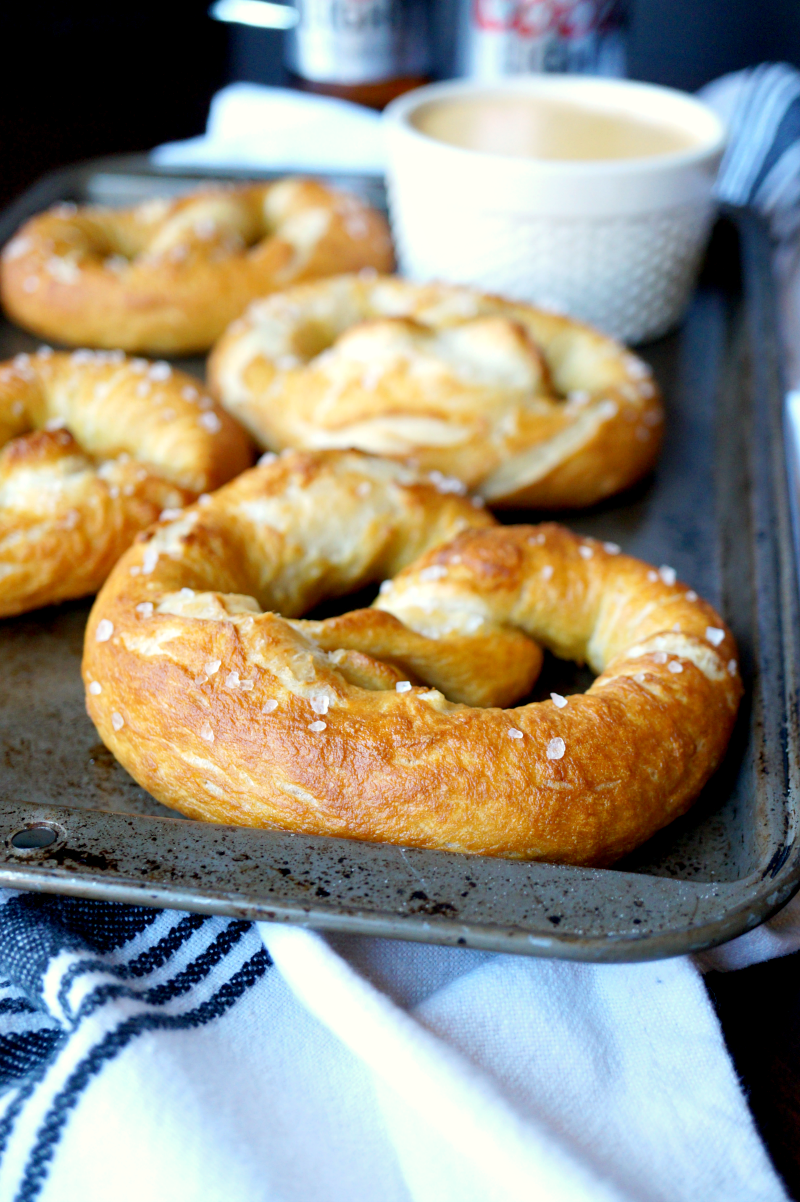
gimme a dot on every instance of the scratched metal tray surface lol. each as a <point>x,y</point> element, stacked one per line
<point>718,509</point>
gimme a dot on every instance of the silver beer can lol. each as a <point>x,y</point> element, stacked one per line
<point>517,37</point>
<point>358,41</point>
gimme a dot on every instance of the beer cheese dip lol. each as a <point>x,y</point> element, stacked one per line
<point>547,127</point>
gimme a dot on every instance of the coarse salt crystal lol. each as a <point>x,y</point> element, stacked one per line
<point>117,720</point>
<point>17,248</point>
<point>667,574</point>
<point>189,394</point>
<point>247,685</point>
<point>267,457</point>
<point>651,575</point>
<point>169,515</point>
<point>104,631</point>
<point>555,749</point>
<point>675,666</point>
<point>436,571</point>
<point>135,570</point>
<point>206,733</point>
<point>319,704</point>
<point>477,502</point>
<point>386,586</point>
<point>44,352</point>
<point>145,608</point>
<point>232,680</point>
<point>732,667</point>
<point>95,688</point>
<point>186,593</point>
<point>30,284</point>
<point>639,678</point>
<point>446,484</point>
<point>160,371</point>
<point>691,595</point>
<point>558,700</point>
<point>612,548</point>
<point>547,571</point>
<point>715,635</point>
<point>317,726</point>
<point>659,657</point>
<point>149,559</point>
<point>204,498</point>
<point>513,733</point>
<point>209,421</point>
<point>363,489</point>
<point>585,552</point>
<point>269,706</point>
<point>212,667</point>
<point>403,686</point>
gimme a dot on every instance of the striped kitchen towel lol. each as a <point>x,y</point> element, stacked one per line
<point>172,1057</point>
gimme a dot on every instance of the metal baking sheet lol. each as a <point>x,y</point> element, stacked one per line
<point>718,509</point>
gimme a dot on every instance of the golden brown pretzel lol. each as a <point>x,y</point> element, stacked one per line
<point>94,447</point>
<point>227,711</point>
<point>526,407</point>
<point>167,277</point>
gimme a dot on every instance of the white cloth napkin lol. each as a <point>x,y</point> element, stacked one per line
<point>175,1058</point>
<point>251,126</point>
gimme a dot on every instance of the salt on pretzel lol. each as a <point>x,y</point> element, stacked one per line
<point>94,447</point>
<point>385,724</point>
<point>528,408</point>
<point>167,277</point>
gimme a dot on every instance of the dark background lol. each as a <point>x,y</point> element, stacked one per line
<point>93,77</point>
<point>87,79</point>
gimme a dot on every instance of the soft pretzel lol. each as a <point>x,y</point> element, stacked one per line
<point>167,277</point>
<point>384,724</point>
<point>94,447</point>
<point>526,407</point>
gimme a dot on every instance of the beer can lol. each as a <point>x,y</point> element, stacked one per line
<point>358,41</point>
<point>516,37</point>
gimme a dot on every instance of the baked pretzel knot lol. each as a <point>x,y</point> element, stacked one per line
<point>526,407</point>
<point>167,277</point>
<point>94,447</point>
<point>385,724</point>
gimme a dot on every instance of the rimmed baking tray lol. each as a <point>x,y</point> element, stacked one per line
<point>718,509</point>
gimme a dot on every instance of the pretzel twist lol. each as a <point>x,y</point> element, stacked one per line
<point>385,724</point>
<point>167,277</point>
<point>94,447</point>
<point>527,407</point>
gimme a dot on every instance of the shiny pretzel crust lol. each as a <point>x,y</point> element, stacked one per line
<point>229,712</point>
<point>167,277</point>
<point>94,447</point>
<point>528,408</point>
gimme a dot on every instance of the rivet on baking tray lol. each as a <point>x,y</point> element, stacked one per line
<point>35,837</point>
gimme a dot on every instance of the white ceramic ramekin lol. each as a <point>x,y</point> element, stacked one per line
<point>614,242</point>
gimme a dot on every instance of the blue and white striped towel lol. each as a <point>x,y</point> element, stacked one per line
<point>164,1056</point>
